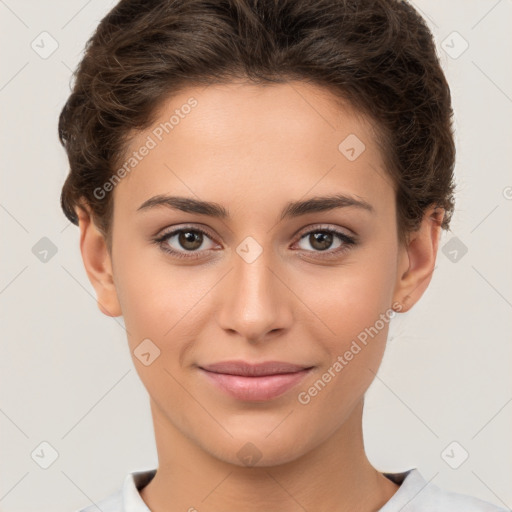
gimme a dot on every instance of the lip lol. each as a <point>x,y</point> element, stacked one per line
<point>246,369</point>
<point>255,382</point>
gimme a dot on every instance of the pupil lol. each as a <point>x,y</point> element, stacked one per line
<point>321,241</point>
<point>189,237</point>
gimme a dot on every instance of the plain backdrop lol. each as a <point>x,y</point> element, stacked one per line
<point>443,392</point>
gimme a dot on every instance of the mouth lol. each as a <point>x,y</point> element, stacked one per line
<point>255,382</point>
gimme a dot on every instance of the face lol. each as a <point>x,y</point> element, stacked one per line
<point>254,279</point>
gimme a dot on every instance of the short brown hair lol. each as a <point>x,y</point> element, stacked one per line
<point>378,55</point>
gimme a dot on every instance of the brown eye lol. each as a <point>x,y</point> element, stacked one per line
<point>186,242</point>
<point>190,240</point>
<point>321,240</point>
<point>329,241</point>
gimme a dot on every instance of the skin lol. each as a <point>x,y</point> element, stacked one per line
<point>252,149</point>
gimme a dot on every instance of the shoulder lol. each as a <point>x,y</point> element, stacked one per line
<point>443,500</point>
<point>127,498</point>
<point>416,494</point>
<point>112,503</point>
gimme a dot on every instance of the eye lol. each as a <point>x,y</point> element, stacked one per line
<point>191,242</point>
<point>181,241</point>
<point>322,240</point>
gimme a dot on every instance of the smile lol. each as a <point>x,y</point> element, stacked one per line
<point>255,388</point>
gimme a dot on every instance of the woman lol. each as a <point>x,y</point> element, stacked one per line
<point>260,187</point>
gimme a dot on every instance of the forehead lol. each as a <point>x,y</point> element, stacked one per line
<point>236,143</point>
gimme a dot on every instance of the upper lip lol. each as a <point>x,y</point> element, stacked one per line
<point>254,370</point>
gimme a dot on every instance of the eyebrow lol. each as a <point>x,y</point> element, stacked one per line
<point>292,209</point>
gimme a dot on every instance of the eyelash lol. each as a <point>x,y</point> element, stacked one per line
<point>160,241</point>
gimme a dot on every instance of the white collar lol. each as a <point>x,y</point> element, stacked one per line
<point>409,481</point>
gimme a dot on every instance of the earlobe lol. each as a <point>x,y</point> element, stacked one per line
<point>97,263</point>
<point>417,261</point>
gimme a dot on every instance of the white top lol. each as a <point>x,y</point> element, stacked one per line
<point>415,494</point>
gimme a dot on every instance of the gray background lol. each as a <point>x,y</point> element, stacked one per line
<point>66,374</point>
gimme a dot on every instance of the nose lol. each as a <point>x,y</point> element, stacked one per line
<point>253,300</point>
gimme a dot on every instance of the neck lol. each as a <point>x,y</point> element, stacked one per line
<point>336,475</point>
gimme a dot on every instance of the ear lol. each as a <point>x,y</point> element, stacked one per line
<point>97,262</point>
<point>417,258</point>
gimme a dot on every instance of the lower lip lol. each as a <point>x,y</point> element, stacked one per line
<point>255,388</point>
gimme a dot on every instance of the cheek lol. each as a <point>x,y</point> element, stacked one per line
<point>359,296</point>
<point>159,300</point>
<point>147,293</point>
<point>359,316</point>
<point>357,309</point>
<point>154,310</point>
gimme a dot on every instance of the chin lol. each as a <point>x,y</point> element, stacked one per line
<point>258,450</point>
